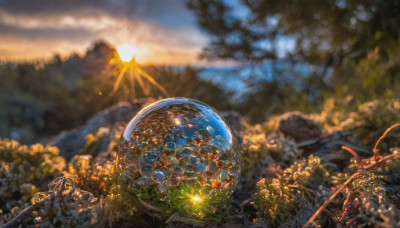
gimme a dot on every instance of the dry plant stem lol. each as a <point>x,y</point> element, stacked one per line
<point>376,150</point>
<point>352,152</point>
<point>151,210</point>
<point>244,203</point>
<point>176,218</point>
<point>149,206</point>
<point>16,222</point>
<point>345,208</point>
<point>331,198</point>
<point>350,221</point>
<point>383,160</point>
<point>370,166</point>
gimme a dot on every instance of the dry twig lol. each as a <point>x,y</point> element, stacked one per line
<point>361,168</point>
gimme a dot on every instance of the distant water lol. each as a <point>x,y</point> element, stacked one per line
<point>244,79</point>
<point>236,79</point>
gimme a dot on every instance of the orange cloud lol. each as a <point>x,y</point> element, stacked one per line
<point>159,40</point>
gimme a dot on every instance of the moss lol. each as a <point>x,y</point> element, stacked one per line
<point>190,201</point>
<point>94,175</point>
<point>367,120</point>
<point>292,188</point>
<point>26,170</point>
<point>257,146</point>
<point>93,141</point>
<point>194,201</point>
<point>121,203</point>
<point>89,174</point>
<point>275,198</point>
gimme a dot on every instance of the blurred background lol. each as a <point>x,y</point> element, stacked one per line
<point>63,61</point>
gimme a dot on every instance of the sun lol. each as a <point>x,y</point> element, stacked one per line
<point>125,52</point>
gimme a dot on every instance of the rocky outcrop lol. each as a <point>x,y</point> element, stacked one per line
<point>114,118</point>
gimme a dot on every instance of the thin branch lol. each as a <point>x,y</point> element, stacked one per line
<point>383,160</point>
<point>361,168</point>
<point>16,221</point>
<point>331,198</point>
<point>345,208</point>
<point>376,150</point>
<point>352,152</point>
<point>56,186</point>
<point>370,166</point>
<point>176,218</point>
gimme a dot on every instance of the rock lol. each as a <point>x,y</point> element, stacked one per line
<point>233,118</point>
<point>114,118</point>
<point>299,128</point>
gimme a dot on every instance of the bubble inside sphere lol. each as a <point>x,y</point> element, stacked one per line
<point>180,142</point>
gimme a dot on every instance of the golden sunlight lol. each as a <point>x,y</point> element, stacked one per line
<point>196,199</point>
<point>125,52</point>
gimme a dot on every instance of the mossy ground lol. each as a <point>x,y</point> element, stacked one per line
<point>282,184</point>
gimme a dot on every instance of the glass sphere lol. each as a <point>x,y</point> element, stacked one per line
<point>179,143</point>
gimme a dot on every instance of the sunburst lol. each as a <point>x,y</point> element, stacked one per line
<point>127,67</point>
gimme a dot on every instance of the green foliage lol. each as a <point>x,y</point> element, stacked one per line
<point>276,97</point>
<point>324,32</point>
<point>376,76</point>
<point>39,99</point>
<point>274,201</point>
<point>275,198</point>
<point>347,48</point>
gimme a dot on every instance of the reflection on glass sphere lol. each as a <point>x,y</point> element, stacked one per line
<point>176,142</point>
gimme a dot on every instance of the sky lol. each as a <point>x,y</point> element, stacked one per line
<point>160,31</point>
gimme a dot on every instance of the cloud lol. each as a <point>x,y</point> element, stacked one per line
<point>161,31</point>
<point>89,22</point>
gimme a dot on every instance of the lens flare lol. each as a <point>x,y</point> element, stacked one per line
<point>125,52</point>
